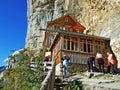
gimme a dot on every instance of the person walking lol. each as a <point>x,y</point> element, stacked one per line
<point>47,58</point>
<point>111,63</point>
<point>65,60</point>
<point>109,58</point>
<point>100,62</point>
<point>90,62</point>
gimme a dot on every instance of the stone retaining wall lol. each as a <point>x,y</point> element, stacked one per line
<point>73,68</point>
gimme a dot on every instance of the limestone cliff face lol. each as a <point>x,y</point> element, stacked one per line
<point>38,14</point>
<point>100,17</point>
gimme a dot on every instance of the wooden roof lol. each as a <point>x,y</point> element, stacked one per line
<point>68,22</point>
<point>75,33</point>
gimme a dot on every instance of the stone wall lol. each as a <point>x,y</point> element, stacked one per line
<point>100,17</point>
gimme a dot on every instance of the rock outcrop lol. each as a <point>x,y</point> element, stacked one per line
<point>100,17</point>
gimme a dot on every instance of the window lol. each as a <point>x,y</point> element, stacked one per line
<point>98,47</point>
<point>66,42</point>
<point>103,46</point>
<point>89,46</point>
<point>67,19</point>
<point>83,45</point>
<point>74,43</point>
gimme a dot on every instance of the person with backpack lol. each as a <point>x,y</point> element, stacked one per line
<point>100,61</point>
<point>90,63</point>
<point>47,58</point>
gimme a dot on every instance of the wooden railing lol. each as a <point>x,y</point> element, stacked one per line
<point>48,83</point>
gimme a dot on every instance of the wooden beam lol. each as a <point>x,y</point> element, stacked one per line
<point>76,34</point>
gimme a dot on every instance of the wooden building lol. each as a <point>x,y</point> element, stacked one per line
<point>65,36</point>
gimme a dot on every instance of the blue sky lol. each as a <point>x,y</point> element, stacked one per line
<point>13,26</point>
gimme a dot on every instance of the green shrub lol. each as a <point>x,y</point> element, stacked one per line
<point>21,77</point>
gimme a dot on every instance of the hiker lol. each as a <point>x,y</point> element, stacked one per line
<point>65,60</point>
<point>90,62</point>
<point>109,58</point>
<point>47,58</point>
<point>111,63</point>
<point>100,62</point>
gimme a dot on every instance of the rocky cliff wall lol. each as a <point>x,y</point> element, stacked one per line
<point>100,17</point>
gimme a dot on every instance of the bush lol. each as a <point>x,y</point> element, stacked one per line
<point>21,77</point>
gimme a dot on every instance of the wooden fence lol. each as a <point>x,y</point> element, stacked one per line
<point>48,83</point>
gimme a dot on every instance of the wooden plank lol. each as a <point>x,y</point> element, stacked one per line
<point>58,57</point>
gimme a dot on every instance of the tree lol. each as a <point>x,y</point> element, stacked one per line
<point>22,77</point>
